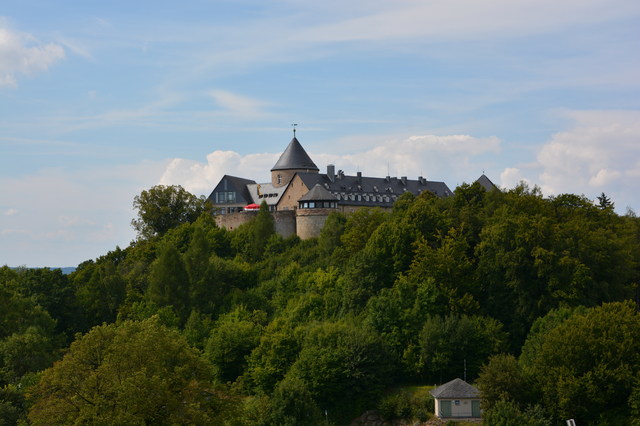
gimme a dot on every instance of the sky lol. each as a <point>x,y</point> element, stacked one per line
<point>100,100</point>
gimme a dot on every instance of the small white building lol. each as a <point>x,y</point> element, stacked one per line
<point>456,399</point>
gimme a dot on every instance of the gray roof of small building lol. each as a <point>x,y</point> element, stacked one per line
<point>486,183</point>
<point>383,192</point>
<point>455,389</point>
<point>295,157</point>
<point>318,193</point>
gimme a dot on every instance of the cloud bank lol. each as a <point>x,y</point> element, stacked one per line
<point>21,53</point>
<point>64,217</point>
<point>431,156</point>
<point>600,153</point>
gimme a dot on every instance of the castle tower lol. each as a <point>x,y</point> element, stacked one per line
<point>294,159</point>
<point>313,209</point>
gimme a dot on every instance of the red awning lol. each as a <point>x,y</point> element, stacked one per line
<point>252,207</point>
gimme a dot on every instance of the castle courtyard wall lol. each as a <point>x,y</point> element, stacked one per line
<point>309,222</point>
<point>284,221</point>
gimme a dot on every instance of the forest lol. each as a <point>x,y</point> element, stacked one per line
<point>533,299</point>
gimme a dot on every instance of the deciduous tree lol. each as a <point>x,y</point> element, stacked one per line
<point>134,373</point>
<point>161,208</point>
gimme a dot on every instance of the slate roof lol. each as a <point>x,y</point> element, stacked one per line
<point>318,193</point>
<point>486,183</point>
<point>238,184</point>
<point>295,157</point>
<point>372,191</point>
<point>455,389</point>
<point>265,192</point>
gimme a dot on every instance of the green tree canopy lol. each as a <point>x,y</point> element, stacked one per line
<point>586,367</point>
<point>164,207</point>
<point>451,342</point>
<point>345,367</point>
<point>501,379</point>
<point>134,373</point>
<point>169,281</point>
<point>231,341</point>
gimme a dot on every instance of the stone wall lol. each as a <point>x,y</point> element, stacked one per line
<point>309,222</point>
<point>285,177</point>
<point>285,222</point>
<point>290,197</point>
<point>233,220</point>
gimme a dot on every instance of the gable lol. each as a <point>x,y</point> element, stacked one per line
<point>231,190</point>
<point>295,190</point>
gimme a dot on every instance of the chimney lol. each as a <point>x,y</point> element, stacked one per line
<point>359,176</point>
<point>404,180</point>
<point>331,172</point>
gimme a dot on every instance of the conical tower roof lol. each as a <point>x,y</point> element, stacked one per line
<point>295,158</point>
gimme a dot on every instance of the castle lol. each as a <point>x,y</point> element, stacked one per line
<point>301,198</point>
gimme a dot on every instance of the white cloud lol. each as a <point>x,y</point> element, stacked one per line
<point>511,177</point>
<point>238,105</point>
<point>23,54</point>
<point>600,153</point>
<point>460,19</point>
<point>597,154</point>
<point>201,178</point>
<point>70,215</point>
<point>435,157</point>
<point>11,212</point>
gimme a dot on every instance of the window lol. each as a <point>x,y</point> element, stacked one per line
<point>279,179</point>
<point>456,402</point>
<point>225,197</point>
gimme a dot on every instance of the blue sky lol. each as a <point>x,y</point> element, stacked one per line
<point>100,100</point>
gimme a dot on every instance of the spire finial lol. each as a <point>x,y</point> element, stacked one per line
<point>294,129</point>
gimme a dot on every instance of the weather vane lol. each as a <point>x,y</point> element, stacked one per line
<point>294,129</point>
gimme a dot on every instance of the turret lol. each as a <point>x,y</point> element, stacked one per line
<point>294,159</point>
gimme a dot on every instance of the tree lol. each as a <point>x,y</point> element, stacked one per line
<point>501,379</point>
<point>605,202</point>
<point>292,404</point>
<point>271,359</point>
<point>28,341</point>
<point>329,238</point>
<point>102,294</point>
<point>344,366</point>
<point>262,228</point>
<point>508,413</point>
<point>359,227</point>
<point>634,403</point>
<point>132,373</point>
<point>32,350</point>
<point>164,207</point>
<point>50,289</point>
<point>231,341</point>
<point>449,343</point>
<point>586,367</point>
<point>169,281</point>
